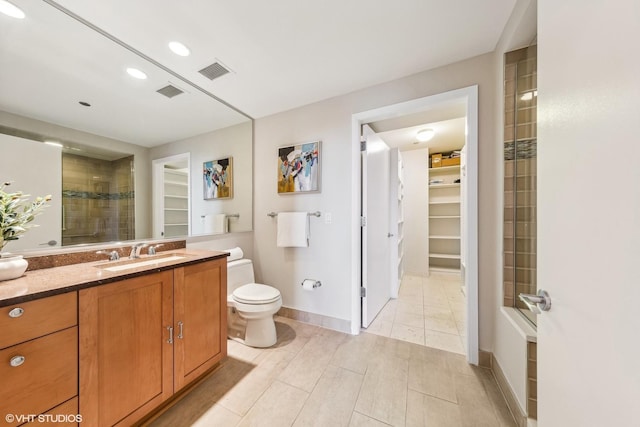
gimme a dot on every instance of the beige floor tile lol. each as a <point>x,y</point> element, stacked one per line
<point>411,307</point>
<point>354,353</point>
<point>388,312</point>
<point>496,398</point>
<point>278,406</point>
<point>438,312</point>
<point>389,347</point>
<point>249,389</point>
<point>379,327</point>
<point>216,415</point>
<point>241,351</point>
<point>200,401</point>
<point>431,376</point>
<point>408,333</point>
<point>410,319</point>
<point>292,335</point>
<point>383,395</point>
<point>436,301</point>
<point>427,411</point>
<point>442,341</point>
<point>441,325</point>
<point>332,401</point>
<point>359,420</point>
<point>363,380</point>
<point>309,364</point>
<point>475,406</point>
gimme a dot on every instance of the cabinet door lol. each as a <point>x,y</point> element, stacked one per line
<point>126,359</point>
<point>200,319</point>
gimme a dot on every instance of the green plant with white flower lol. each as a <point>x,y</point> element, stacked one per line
<point>17,213</point>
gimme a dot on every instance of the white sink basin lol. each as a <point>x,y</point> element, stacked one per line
<point>142,263</point>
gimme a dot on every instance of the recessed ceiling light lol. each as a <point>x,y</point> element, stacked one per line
<point>134,72</point>
<point>425,135</point>
<point>11,10</point>
<point>54,143</point>
<point>179,49</point>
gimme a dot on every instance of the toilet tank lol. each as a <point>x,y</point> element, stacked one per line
<point>239,273</point>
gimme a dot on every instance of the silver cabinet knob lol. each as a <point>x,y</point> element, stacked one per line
<point>16,312</point>
<point>537,303</point>
<point>17,361</point>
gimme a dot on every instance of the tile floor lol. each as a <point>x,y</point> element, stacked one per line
<point>319,377</point>
<point>429,311</point>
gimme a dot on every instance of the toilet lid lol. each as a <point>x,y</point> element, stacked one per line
<point>255,293</point>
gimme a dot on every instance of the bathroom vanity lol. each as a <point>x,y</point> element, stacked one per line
<point>112,340</point>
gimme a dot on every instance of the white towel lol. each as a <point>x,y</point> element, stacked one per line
<point>293,230</point>
<point>234,254</point>
<point>215,224</point>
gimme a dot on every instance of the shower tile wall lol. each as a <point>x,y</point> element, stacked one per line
<point>520,170</point>
<point>97,200</point>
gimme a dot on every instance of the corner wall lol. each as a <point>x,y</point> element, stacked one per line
<point>415,209</point>
<point>510,343</point>
<point>329,256</point>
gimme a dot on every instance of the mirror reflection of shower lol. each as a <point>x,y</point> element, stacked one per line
<point>98,203</point>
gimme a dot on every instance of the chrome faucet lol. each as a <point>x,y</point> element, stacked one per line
<point>136,249</point>
<point>113,255</point>
<point>152,249</point>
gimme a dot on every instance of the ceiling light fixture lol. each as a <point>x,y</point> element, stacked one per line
<point>134,72</point>
<point>11,10</point>
<point>179,49</point>
<point>425,135</point>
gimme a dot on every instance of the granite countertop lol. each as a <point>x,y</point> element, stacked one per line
<point>57,280</point>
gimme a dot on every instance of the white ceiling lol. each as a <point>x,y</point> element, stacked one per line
<point>283,54</point>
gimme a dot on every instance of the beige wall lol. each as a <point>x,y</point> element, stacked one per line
<point>329,257</point>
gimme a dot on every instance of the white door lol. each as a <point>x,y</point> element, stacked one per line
<point>589,212</point>
<point>376,242</point>
<point>36,172</point>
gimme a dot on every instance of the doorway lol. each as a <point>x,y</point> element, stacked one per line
<point>172,196</point>
<point>433,105</point>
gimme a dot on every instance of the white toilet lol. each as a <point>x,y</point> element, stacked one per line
<point>254,304</point>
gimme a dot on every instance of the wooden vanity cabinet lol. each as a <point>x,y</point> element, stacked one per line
<point>200,308</point>
<point>39,357</point>
<point>143,339</point>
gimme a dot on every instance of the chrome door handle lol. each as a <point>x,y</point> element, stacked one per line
<point>537,303</point>
<point>180,326</point>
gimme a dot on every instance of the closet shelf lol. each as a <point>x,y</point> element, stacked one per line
<point>444,269</point>
<point>445,237</point>
<point>169,182</point>
<point>176,209</point>
<point>444,202</point>
<point>443,169</point>
<point>175,196</point>
<point>454,185</point>
<point>444,256</point>
<point>444,217</point>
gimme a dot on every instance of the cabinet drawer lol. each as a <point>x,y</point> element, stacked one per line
<point>64,415</point>
<point>33,319</point>
<point>47,377</point>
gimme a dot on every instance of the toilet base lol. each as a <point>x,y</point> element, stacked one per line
<point>259,333</point>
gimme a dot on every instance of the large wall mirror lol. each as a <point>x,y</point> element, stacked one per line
<point>65,81</point>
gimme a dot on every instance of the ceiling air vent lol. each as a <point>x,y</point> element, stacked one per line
<point>169,91</point>
<point>214,71</point>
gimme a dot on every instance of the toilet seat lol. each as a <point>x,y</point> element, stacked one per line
<point>256,293</point>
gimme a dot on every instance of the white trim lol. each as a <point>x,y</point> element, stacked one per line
<point>469,96</point>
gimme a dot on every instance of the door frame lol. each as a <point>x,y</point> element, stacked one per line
<point>157,198</point>
<point>469,96</point>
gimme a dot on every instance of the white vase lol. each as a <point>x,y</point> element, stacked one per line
<point>12,266</point>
